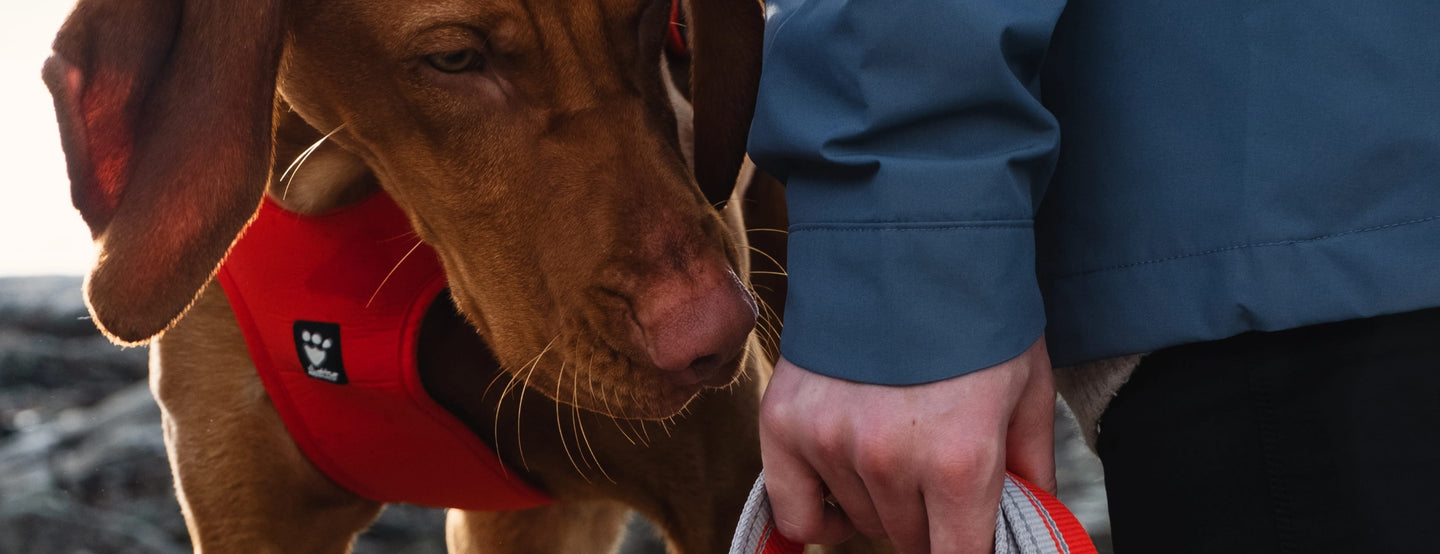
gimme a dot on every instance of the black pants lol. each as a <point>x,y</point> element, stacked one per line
<point>1318,439</point>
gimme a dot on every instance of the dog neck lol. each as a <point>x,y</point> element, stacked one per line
<point>313,174</point>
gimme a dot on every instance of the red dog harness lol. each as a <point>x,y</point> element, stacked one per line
<point>331,307</point>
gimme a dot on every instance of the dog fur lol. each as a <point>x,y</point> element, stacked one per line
<point>556,183</point>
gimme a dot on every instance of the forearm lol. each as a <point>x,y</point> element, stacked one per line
<point>914,149</point>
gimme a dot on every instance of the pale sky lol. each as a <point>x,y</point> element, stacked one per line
<point>40,233</point>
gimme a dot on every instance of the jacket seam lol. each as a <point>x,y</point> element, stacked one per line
<point>1287,242</point>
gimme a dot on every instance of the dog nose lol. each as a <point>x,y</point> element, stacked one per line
<point>694,325</point>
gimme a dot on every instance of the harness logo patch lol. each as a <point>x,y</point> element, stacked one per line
<point>318,345</point>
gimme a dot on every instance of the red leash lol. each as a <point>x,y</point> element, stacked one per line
<point>1030,521</point>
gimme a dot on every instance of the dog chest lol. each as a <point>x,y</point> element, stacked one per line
<point>331,307</point>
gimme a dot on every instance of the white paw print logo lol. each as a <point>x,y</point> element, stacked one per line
<point>317,347</point>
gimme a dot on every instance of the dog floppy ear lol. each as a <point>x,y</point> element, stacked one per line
<point>165,110</point>
<point>725,39</point>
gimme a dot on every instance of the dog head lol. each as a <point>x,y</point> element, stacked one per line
<point>532,143</point>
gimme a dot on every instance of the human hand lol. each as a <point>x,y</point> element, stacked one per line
<point>922,465</point>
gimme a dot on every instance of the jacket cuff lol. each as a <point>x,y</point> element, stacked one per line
<point>903,304</point>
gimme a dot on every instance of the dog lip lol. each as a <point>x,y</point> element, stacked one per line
<point>687,378</point>
<point>670,391</point>
<point>704,373</point>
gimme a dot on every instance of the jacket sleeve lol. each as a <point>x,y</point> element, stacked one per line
<point>915,150</point>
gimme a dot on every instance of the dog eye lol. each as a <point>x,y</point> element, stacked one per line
<point>456,61</point>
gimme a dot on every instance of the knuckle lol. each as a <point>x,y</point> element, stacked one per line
<point>876,459</point>
<point>779,423</point>
<point>774,414</point>
<point>968,466</point>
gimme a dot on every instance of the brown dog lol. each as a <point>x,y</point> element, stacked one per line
<point>541,147</point>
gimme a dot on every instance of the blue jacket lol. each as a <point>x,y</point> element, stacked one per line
<point>1123,176</point>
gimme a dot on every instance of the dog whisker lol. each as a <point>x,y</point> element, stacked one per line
<point>392,272</point>
<point>768,333</point>
<point>520,406</point>
<point>770,342</point>
<point>765,334</point>
<point>574,411</point>
<point>624,414</point>
<point>745,377</point>
<point>765,312</point>
<point>598,465</point>
<point>613,418</point>
<point>769,338</point>
<point>564,444</point>
<point>294,167</point>
<point>499,404</point>
<point>604,398</point>
<point>590,379</point>
<point>583,435</point>
<point>516,374</point>
<point>771,319</point>
<point>519,410</point>
<point>768,257</point>
<point>771,335</point>
<point>405,235</point>
<point>643,428</point>
<point>580,425</point>
<point>498,375</point>
<point>646,429</point>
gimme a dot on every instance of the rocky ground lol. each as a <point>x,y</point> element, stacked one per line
<point>82,462</point>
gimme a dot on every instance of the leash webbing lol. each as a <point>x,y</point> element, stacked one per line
<point>1030,521</point>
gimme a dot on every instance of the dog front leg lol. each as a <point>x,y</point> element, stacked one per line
<point>244,485</point>
<point>574,526</point>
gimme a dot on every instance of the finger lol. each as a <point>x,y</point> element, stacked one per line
<point>797,498</point>
<point>854,500</point>
<point>961,510</point>
<point>1030,438</point>
<point>902,513</point>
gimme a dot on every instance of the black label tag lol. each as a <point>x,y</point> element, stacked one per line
<point>318,345</point>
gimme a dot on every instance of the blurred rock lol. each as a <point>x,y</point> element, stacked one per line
<point>91,480</point>
<point>51,356</point>
<point>82,456</point>
<point>45,305</point>
<point>54,523</point>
